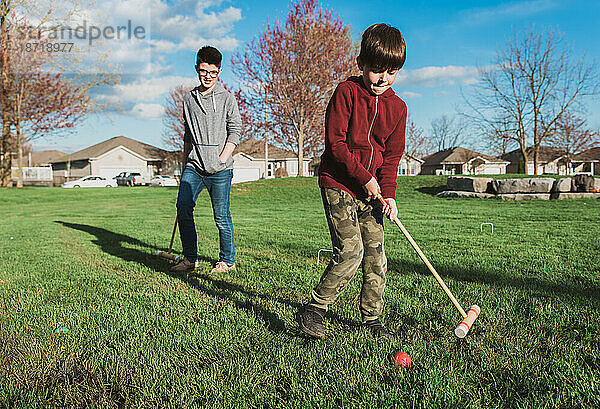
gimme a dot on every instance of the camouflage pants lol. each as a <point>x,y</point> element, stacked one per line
<point>356,228</point>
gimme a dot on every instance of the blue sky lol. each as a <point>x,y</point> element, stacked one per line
<point>446,42</point>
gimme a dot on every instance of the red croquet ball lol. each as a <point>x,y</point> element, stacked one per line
<point>402,359</point>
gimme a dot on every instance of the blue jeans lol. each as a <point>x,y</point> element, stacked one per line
<point>219,188</point>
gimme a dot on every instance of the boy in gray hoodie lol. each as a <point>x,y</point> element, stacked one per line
<point>212,131</point>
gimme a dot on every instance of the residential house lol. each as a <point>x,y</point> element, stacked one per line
<point>42,158</point>
<point>550,161</point>
<point>249,161</point>
<point>587,162</point>
<point>409,165</point>
<point>36,168</point>
<point>461,161</point>
<point>115,155</point>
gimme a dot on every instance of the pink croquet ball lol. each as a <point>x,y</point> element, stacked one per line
<point>402,359</point>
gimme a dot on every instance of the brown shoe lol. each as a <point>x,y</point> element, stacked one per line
<point>222,267</point>
<point>183,266</point>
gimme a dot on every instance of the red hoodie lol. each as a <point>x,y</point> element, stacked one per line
<point>364,137</point>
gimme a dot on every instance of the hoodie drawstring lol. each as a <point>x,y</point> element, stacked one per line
<point>213,98</point>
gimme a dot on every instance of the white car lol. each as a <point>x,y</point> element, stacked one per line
<point>90,181</point>
<point>163,181</point>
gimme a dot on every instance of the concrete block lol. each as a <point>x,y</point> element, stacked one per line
<point>575,195</point>
<point>468,184</point>
<point>461,194</point>
<point>525,185</point>
<point>562,185</point>
<point>583,183</point>
<point>523,196</point>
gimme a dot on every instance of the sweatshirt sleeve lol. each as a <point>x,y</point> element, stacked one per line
<point>234,121</point>
<point>187,133</point>
<point>394,148</point>
<point>337,118</point>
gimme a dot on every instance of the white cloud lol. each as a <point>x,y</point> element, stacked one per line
<point>147,111</point>
<point>149,89</point>
<point>409,94</point>
<point>482,15</point>
<point>188,31</point>
<point>438,76</point>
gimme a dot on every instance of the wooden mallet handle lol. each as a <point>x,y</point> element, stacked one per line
<point>464,327</point>
<point>427,263</point>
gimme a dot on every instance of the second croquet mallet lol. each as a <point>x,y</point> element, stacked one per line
<point>169,254</point>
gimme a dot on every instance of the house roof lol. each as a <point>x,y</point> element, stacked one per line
<point>146,151</point>
<point>592,154</point>
<point>256,149</point>
<point>545,154</point>
<point>44,157</point>
<point>457,155</point>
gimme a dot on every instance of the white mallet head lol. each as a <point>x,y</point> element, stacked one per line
<point>464,327</point>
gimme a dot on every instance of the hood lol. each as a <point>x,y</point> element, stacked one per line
<point>218,89</point>
<point>359,81</point>
<point>209,97</point>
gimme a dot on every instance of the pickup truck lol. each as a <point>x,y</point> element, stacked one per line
<point>131,179</point>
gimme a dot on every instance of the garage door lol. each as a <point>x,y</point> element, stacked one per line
<point>245,174</point>
<point>110,172</point>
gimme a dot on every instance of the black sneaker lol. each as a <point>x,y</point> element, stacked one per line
<point>183,266</point>
<point>377,329</point>
<point>310,321</point>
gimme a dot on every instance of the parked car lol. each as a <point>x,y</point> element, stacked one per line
<point>162,180</point>
<point>120,178</point>
<point>90,181</point>
<point>131,179</point>
<point>136,179</point>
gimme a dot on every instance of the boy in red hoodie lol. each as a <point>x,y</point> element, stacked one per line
<point>364,141</point>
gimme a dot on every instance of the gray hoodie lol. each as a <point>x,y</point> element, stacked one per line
<point>211,120</point>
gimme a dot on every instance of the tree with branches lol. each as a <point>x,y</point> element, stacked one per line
<point>417,143</point>
<point>534,81</point>
<point>173,118</point>
<point>446,132</point>
<point>35,102</point>
<point>291,71</point>
<point>572,135</point>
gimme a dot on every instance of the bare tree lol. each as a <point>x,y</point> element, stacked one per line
<point>446,132</point>
<point>417,144</point>
<point>34,102</point>
<point>173,118</point>
<point>292,70</point>
<point>500,139</point>
<point>533,82</point>
<point>572,135</point>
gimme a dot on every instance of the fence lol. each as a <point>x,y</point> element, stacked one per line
<point>39,175</point>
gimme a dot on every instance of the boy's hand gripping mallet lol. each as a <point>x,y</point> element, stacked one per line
<point>468,317</point>
<point>168,254</point>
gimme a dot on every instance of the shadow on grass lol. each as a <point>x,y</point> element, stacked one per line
<point>570,288</point>
<point>431,190</point>
<point>112,243</point>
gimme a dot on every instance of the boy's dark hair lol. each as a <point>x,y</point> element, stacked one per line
<point>209,55</point>
<point>382,48</point>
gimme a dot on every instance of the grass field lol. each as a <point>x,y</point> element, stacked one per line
<point>140,337</point>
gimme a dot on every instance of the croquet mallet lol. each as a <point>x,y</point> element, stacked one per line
<point>468,317</point>
<point>169,254</point>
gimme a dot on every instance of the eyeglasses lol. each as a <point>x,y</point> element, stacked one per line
<point>212,74</point>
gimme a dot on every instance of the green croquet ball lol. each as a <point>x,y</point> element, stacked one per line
<point>61,330</point>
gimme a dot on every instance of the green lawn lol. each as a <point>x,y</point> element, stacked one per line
<point>140,337</point>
